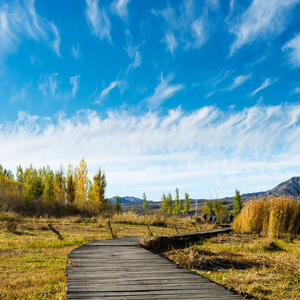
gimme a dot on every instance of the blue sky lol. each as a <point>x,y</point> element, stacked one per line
<point>199,95</point>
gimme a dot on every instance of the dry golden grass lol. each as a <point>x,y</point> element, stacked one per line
<point>33,259</point>
<point>272,217</point>
<point>248,264</point>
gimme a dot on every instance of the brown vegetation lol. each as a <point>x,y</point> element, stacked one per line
<point>249,264</point>
<point>33,259</point>
<point>272,217</point>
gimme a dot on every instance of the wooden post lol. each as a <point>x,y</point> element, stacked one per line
<point>176,228</point>
<point>149,231</point>
<point>56,232</point>
<point>113,235</point>
<point>195,225</point>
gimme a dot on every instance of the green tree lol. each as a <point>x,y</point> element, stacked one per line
<point>20,176</point>
<point>118,205</point>
<point>71,186</point>
<point>221,211</point>
<point>186,203</point>
<point>145,203</point>
<point>48,183</point>
<point>164,204</point>
<point>216,207</point>
<point>6,173</point>
<point>169,204</point>
<point>178,205</point>
<point>237,204</point>
<point>34,187</point>
<point>208,207</point>
<point>60,190</point>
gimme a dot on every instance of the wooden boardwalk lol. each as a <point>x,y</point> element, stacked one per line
<point>122,269</point>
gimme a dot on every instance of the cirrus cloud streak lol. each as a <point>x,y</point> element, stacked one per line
<point>202,151</point>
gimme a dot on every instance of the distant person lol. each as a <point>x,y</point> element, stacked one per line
<point>214,218</point>
<point>205,217</point>
<point>230,219</point>
<point>210,218</point>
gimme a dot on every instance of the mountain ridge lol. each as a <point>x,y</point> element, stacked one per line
<point>290,187</point>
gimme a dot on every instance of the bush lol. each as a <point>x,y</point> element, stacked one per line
<point>11,224</point>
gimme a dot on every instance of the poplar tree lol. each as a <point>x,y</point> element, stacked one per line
<point>98,192</point>
<point>48,180</point>
<point>164,204</point>
<point>60,187</point>
<point>71,186</point>
<point>118,205</point>
<point>145,203</point>
<point>178,205</point>
<point>169,204</point>
<point>81,194</point>
<point>20,175</point>
<point>237,204</point>
<point>34,187</point>
<point>186,203</point>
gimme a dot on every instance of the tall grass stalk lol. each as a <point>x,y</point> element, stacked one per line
<point>273,217</point>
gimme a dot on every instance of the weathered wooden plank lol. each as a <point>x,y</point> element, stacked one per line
<point>122,269</point>
<point>178,294</point>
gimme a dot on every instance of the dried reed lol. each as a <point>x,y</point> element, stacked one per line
<point>272,217</point>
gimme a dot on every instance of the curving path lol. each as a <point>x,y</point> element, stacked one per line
<point>122,269</point>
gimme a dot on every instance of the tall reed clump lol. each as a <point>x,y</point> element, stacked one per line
<point>272,217</point>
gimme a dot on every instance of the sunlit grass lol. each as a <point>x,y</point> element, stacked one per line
<point>249,264</point>
<point>273,217</point>
<point>33,259</point>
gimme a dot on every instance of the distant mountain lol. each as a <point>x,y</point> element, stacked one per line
<point>128,199</point>
<point>289,188</point>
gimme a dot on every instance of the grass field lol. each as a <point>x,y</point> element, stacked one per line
<point>33,259</point>
<point>248,264</point>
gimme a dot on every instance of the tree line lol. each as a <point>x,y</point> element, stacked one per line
<point>167,206</point>
<point>47,192</point>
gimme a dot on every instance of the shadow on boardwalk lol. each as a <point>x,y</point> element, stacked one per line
<point>122,269</point>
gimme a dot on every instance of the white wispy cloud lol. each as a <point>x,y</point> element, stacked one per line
<point>214,81</point>
<point>199,32</point>
<point>98,19</point>
<point>164,91</point>
<point>48,84</point>
<point>75,83</point>
<point>119,7</point>
<point>56,43</point>
<point>19,96</point>
<point>170,41</point>
<point>213,4</point>
<point>188,28</point>
<point>239,80</point>
<point>265,84</point>
<point>76,51</point>
<point>133,53</point>
<point>19,22</point>
<point>151,152</point>
<point>107,90</point>
<point>293,49</point>
<point>232,3</point>
<point>262,20</point>
<point>295,91</point>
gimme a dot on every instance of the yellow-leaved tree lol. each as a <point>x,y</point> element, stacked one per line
<point>82,185</point>
<point>97,199</point>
